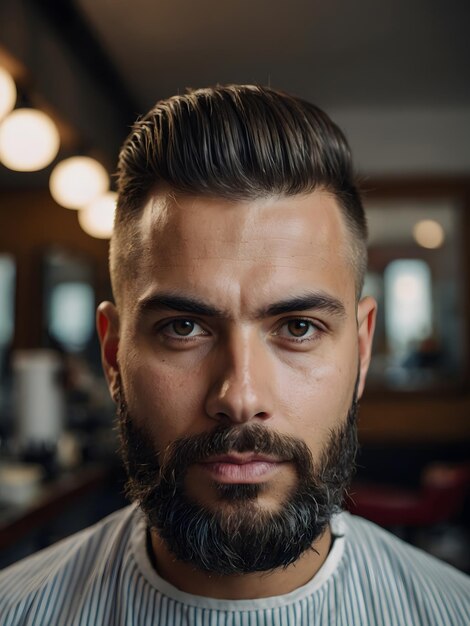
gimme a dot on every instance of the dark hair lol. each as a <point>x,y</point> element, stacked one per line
<point>236,142</point>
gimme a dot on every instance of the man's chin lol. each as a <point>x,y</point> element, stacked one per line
<point>237,535</point>
<point>220,496</point>
<point>240,507</point>
<point>240,493</point>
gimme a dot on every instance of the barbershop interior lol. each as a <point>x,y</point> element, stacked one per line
<point>74,76</point>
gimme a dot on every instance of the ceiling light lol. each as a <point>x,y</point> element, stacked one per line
<point>97,219</point>
<point>77,181</point>
<point>428,234</point>
<point>29,140</point>
<point>7,93</point>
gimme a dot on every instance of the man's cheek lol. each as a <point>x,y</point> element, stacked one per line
<point>161,402</point>
<point>321,394</point>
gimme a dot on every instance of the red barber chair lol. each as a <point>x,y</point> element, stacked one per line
<point>440,498</point>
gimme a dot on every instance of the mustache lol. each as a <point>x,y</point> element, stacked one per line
<point>150,469</point>
<point>253,438</point>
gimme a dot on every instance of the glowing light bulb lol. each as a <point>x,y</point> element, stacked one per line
<point>7,93</point>
<point>429,234</point>
<point>77,181</point>
<point>29,140</point>
<point>97,218</point>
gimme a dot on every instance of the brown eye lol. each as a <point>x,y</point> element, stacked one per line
<point>298,328</point>
<point>183,328</point>
<point>181,332</point>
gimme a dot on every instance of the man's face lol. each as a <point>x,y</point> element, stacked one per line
<point>242,314</point>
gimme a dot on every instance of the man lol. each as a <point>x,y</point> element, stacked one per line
<point>236,351</point>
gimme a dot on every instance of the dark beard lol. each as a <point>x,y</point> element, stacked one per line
<point>241,537</point>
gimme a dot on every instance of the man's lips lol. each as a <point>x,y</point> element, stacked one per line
<point>241,467</point>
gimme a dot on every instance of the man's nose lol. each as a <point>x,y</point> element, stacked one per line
<point>243,380</point>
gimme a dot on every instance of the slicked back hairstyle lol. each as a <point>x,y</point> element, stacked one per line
<point>237,142</point>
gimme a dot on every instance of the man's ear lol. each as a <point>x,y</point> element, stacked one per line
<point>107,323</point>
<point>366,314</point>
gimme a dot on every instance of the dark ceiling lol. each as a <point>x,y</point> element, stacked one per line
<point>338,53</point>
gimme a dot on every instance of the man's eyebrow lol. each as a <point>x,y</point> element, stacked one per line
<point>180,303</point>
<point>305,302</point>
<point>189,304</point>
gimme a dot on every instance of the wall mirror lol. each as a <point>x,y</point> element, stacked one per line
<point>68,301</point>
<point>417,268</point>
<point>7,300</point>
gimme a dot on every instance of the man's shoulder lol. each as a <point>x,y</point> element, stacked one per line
<point>385,562</point>
<point>65,567</point>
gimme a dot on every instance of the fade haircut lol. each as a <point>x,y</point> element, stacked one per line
<point>236,142</point>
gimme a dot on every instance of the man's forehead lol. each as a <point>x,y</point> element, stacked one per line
<point>313,220</point>
<point>243,252</point>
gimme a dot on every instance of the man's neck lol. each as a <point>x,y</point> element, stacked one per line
<point>187,578</point>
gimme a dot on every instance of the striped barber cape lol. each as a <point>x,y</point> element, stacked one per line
<point>103,576</point>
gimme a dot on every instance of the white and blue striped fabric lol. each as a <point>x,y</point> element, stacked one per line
<point>102,576</point>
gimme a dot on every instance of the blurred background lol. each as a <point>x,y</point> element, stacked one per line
<point>74,75</point>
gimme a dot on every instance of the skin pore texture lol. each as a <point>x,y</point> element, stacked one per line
<point>242,314</point>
